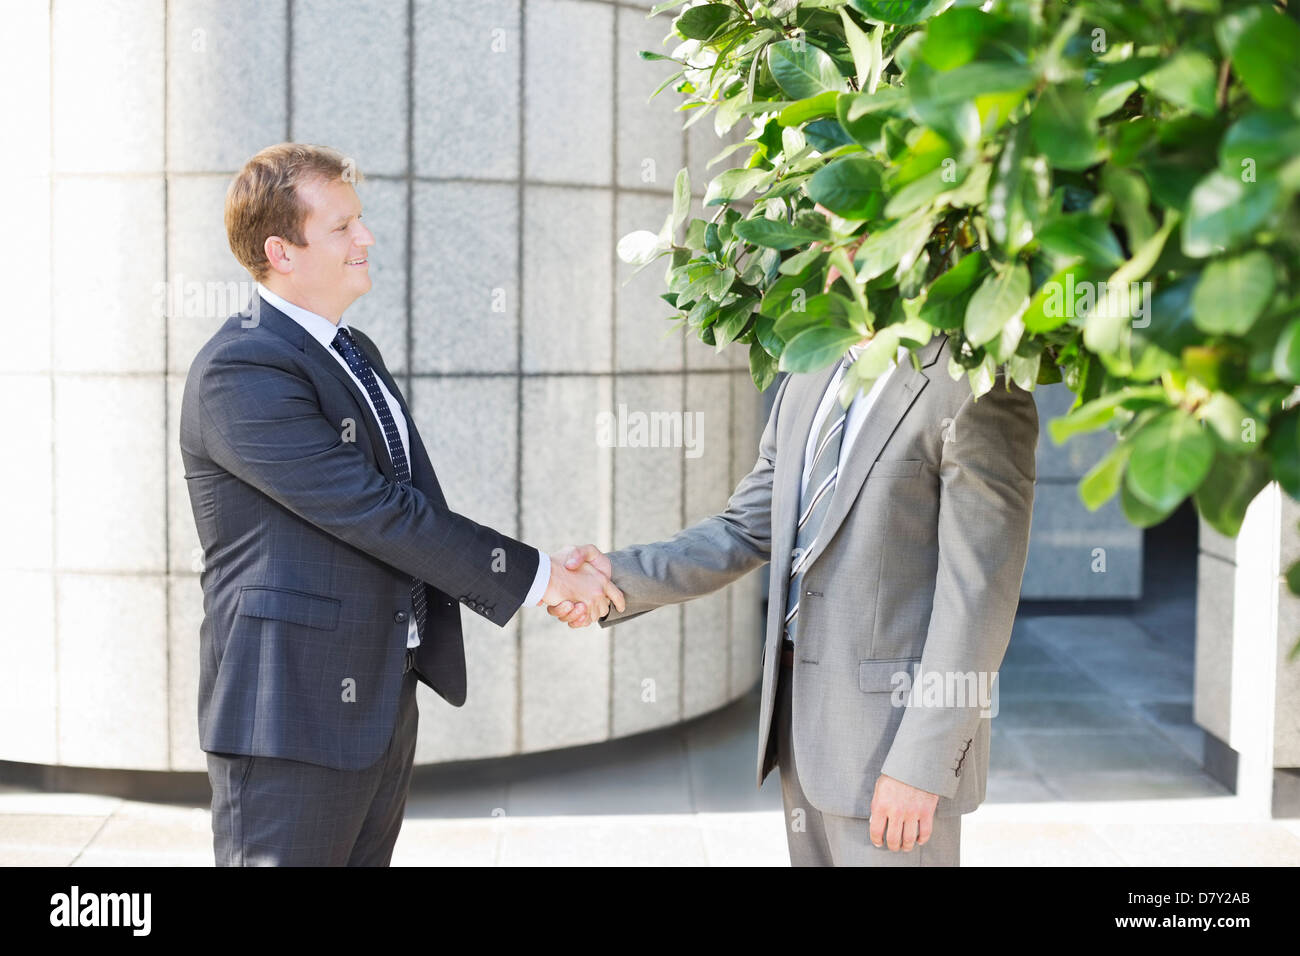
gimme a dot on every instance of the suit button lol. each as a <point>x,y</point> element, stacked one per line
<point>479,608</point>
<point>400,617</point>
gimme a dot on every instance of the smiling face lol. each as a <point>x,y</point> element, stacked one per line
<point>332,270</point>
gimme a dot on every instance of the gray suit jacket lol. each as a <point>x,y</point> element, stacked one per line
<point>309,546</point>
<point>916,572</point>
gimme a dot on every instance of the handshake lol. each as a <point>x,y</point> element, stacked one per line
<point>580,585</point>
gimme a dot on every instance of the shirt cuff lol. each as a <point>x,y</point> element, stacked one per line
<point>543,578</point>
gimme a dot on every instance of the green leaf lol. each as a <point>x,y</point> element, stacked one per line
<point>1083,236</point>
<point>887,99</point>
<point>1064,128</point>
<point>1102,480</point>
<point>1024,370</point>
<point>1237,430</point>
<point>864,130</point>
<point>732,320</point>
<point>1266,139</point>
<point>1132,199</point>
<point>1286,354</point>
<point>792,291</point>
<point>953,117</point>
<point>1229,488</point>
<point>1262,44</point>
<point>919,192</point>
<point>702,22</point>
<point>900,243</point>
<point>1232,293</point>
<point>816,348</point>
<point>1099,411</point>
<point>849,187</point>
<point>1222,211</point>
<point>980,78</point>
<point>1283,448</point>
<point>733,184</point>
<point>999,299</point>
<point>762,367</point>
<point>798,113</point>
<point>1186,80</point>
<point>802,70</point>
<point>953,38</point>
<point>1018,188</point>
<point>1148,253</point>
<point>1171,456</point>
<point>1053,305</point>
<point>1137,511</point>
<point>945,303</point>
<point>825,308</point>
<point>826,134</point>
<point>901,12</point>
<point>681,197</point>
<point>776,234</point>
<point>765,335</point>
<point>982,376</point>
<point>800,261</point>
<point>861,47</point>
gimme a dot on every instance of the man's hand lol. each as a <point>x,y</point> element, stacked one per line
<point>575,613</point>
<point>580,581</point>
<point>907,811</point>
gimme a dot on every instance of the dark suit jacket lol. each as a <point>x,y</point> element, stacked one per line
<point>309,545</point>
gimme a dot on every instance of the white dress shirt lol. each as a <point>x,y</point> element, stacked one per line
<point>857,414</point>
<point>323,331</point>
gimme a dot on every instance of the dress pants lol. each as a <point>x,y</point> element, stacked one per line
<point>267,811</point>
<point>823,839</point>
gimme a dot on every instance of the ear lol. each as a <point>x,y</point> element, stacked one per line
<point>277,254</point>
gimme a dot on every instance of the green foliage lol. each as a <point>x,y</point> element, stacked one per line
<point>1096,191</point>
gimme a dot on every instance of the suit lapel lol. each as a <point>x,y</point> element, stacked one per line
<point>896,396</point>
<point>295,334</point>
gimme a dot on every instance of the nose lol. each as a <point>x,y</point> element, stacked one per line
<point>365,237</point>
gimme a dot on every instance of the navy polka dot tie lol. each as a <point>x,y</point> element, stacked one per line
<point>360,366</point>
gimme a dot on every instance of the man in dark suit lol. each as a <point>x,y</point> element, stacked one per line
<point>332,563</point>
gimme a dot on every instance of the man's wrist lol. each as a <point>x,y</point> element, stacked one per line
<point>537,592</point>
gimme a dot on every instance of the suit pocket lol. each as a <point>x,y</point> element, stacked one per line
<point>882,676</point>
<point>296,607</point>
<point>896,468</point>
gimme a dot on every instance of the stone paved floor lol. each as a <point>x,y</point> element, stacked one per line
<point>1096,762</point>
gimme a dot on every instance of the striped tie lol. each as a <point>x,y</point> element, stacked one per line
<point>360,365</point>
<point>816,501</point>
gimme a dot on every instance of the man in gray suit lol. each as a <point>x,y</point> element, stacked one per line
<point>333,566</point>
<point>897,532</point>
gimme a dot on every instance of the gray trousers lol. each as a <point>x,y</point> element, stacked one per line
<point>267,811</point>
<point>823,839</point>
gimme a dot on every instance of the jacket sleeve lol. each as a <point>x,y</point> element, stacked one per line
<point>711,553</point>
<point>262,422</point>
<point>986,500</point>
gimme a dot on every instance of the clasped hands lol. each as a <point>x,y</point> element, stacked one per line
<point>580,585</point>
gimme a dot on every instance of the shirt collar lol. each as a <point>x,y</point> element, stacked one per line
<point>319,327</point>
